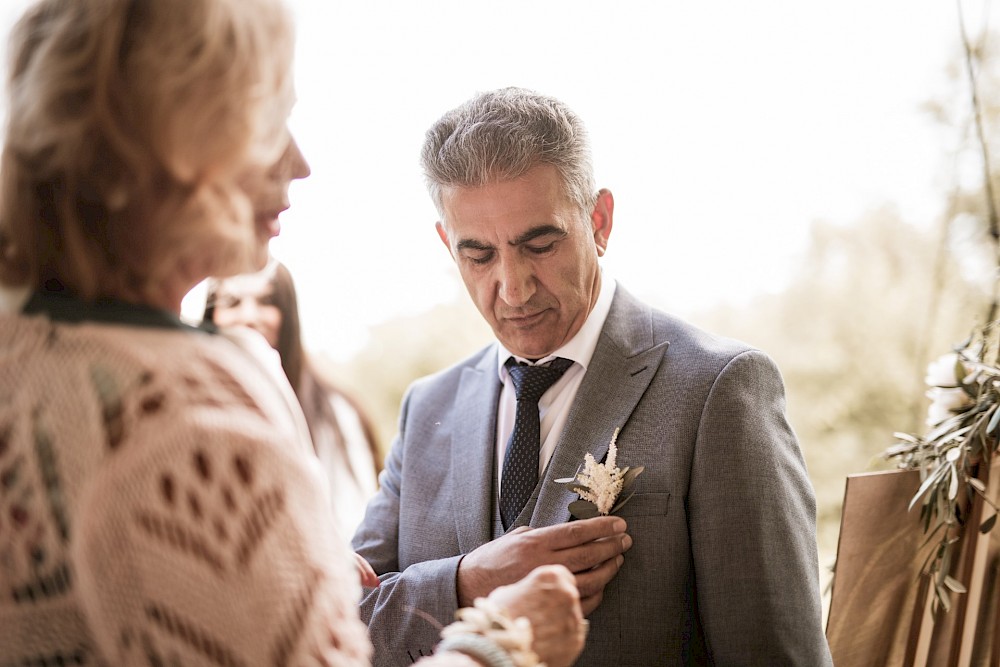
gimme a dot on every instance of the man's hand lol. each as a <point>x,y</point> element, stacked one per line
<point>548,598</point>
<point>591,549</point>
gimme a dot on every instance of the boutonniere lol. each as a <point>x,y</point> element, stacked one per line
<point>600,485</point>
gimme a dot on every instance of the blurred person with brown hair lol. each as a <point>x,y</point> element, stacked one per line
<point>159,502</point>
<point>342,434</point>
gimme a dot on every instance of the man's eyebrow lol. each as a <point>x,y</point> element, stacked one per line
<point>473,244</point>
<point>535,232</point>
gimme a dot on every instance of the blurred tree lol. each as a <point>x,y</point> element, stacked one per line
<point>404,349</point>
<point>850,335</point>
<point>874,302</point>
<point>973,108</point>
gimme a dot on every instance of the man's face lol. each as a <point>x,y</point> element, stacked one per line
<point>528,257</point>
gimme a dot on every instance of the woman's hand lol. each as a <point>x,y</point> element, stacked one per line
<point>368,577</point>
<point>548,597</point>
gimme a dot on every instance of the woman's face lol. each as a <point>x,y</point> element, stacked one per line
<point>248,301</point>
<point>267,189</point>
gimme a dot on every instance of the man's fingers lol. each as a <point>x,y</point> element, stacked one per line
<point>593,581</point>
<point>588,605</point>
<point>574,533</point>
<point>591,554</point>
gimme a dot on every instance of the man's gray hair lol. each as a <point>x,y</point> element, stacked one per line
<point>499,135</point>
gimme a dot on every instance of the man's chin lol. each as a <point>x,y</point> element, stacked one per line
<point>528,349</point>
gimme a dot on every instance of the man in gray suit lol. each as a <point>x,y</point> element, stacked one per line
<point>718,565</point>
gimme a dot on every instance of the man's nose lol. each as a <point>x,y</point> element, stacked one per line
<point>516,281</point>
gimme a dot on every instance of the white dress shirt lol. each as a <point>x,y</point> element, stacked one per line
<point>554,405</point>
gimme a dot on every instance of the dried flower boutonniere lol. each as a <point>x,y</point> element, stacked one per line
<point>600,485</point>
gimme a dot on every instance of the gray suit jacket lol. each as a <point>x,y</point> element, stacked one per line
<point>723,569</point>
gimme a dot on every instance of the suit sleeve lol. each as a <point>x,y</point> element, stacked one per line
<point>409,607</point>
<point>753,525</point>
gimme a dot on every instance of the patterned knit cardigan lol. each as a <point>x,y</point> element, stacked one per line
<point>157,506</point>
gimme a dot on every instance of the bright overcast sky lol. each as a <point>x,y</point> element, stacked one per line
<point>722,128</point>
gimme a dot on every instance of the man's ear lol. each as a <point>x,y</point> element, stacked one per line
<point>443,235</point>
<point>602,219</point>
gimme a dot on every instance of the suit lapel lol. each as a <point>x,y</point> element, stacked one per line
<point>624,363</point>
<point>473,451</point>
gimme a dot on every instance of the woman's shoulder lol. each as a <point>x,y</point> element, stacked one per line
<point>167,472</point>
<point>113,383</point>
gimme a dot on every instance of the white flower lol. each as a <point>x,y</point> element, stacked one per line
<point>945,402</point>
<point>602,483</point>
<point>486,618</point>
<point>943,371</point>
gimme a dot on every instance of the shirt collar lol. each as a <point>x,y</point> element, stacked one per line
<point>64,307</point>
<point>580,348</point>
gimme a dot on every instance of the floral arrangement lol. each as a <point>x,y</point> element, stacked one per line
<point>964,415</point>
<point>601,485</point>
<point>487,619</point>
<point>963,420</point>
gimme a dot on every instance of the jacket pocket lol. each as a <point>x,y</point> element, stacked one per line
<point>646,504</point>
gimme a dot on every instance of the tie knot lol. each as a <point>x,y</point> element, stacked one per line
<point>530,382</point>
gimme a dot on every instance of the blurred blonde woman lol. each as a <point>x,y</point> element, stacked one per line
<point>159,503</point>
<point>342,434</point>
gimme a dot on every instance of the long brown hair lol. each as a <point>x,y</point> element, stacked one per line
<point>296,363</point>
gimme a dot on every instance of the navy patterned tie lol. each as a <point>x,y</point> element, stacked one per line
<point>520,463</point>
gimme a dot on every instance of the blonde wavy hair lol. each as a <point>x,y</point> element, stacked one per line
<point>129,124</point>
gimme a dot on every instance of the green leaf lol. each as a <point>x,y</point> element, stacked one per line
<point>945,563</point>
<point>631,475</point>
<point>944,428</point>
<point>987,526</point>
<point>956,435</point>
<point>928,483</point>
<point>569,480</point>
<point>583,509</point>
<point>994,421</point>
<point>898,450</point>
<point>930,536</point>
<point>954,584</point>
<point>943,508</point>
<point>960,371</point>
<point>976,447</point>
<point>942,594</point>
<point>621,502</point>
